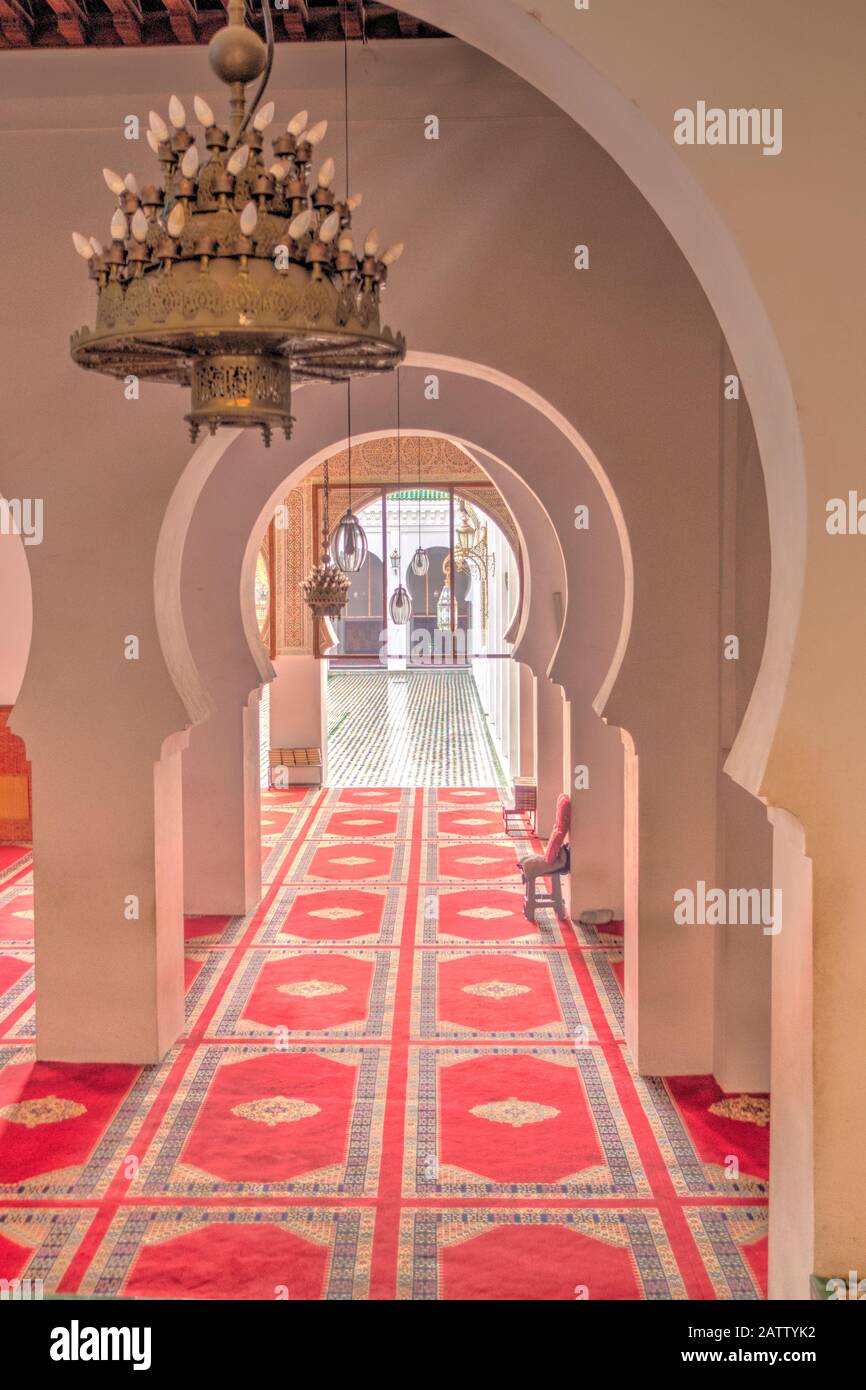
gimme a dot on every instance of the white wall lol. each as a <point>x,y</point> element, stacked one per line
<point>496,677</point>
<point>16,616</point>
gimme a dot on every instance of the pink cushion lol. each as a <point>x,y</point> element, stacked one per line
<point>561,827</point>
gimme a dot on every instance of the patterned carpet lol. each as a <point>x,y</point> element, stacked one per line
<point>408,729</point>
<point>391,1086</point>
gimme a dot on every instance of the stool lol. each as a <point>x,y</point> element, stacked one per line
<point>524,798</point>
<point>534,867</point>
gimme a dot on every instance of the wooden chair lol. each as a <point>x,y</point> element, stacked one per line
<point>551,865</point>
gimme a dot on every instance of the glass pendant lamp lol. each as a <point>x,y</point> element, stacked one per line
<point>349,546</point>
<point>400,606</point>
<point>420,560</point>
<point>443,609</point>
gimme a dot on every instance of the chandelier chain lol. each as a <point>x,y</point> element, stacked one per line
<point>399,458</point>
<point>326,512</point>
<point>349,423</point>
<point>266,74</point>
<point>345,83</point>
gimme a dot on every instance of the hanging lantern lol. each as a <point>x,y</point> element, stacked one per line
<point>400,606</point>
<point>443,609</point>
<point>466,531</point>
<point>420,560</point>
<point>349,546</point>
<point>326,588</point>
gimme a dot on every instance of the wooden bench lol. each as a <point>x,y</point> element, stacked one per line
<point>294,767</point>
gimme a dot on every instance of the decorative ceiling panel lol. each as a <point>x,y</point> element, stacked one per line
<point>114,23</point>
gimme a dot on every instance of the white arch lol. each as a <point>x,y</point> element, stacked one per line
<point>519,41</point>
<point>248,568</point>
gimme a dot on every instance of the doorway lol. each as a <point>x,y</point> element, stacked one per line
<point>433,701</point>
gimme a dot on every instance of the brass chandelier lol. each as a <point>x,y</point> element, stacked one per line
<point>236,274</point>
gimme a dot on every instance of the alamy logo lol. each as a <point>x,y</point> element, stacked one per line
<point>19,1289</point>
<point>855,1289</point>
<point>22,516</point>
<point>713,125</point>
<point>77,1343</point>
<point>731,907</point>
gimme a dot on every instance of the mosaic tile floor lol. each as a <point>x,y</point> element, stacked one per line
<point>408,729</point>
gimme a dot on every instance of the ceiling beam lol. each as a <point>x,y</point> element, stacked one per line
<point>408,25</point>
<point>127,20</point>
<point>183,18</point>
<point>296,18</point>
<point>16,25</point>
<point>71,21</point>
<point>351,14</point>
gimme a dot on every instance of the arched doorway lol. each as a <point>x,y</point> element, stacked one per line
<point>451,657</point>
<point>436,694</point>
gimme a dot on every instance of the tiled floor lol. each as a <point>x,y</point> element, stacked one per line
<point>408,729</point>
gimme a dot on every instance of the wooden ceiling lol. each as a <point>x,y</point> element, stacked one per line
<point>112,23</point>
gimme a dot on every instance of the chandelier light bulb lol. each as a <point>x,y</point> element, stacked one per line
<point>203,112</point>
<point>114,181</point>
<point>329,227</point>
<point>317,133</point>
<point>349,546</point>
<point>420,562</point>
<point>118,226</point>
<point>176,221</point>
<point>158,126</point>
<point>189,163</point>
<point>371,243</point>
<point>82,246</point>
<point>355,201</point>
<point>139,225</point>
<point>238,161</point>
<point>300,225</point>
<point>400,606</point>
<point>152,141</point>
<point>249,218</point>
<point>346,242</point>
<point>326,173</point>
<point>130,183</point>
<point>298,123</point>
<point>97,246</point>
<point>278,171</point>
<point>176,113</point>
<point>393,254</point>
<point>263,117</point>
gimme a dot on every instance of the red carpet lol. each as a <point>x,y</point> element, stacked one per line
<point>392,1086</point>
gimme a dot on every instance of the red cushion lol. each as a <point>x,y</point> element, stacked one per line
<point>561,827</point>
